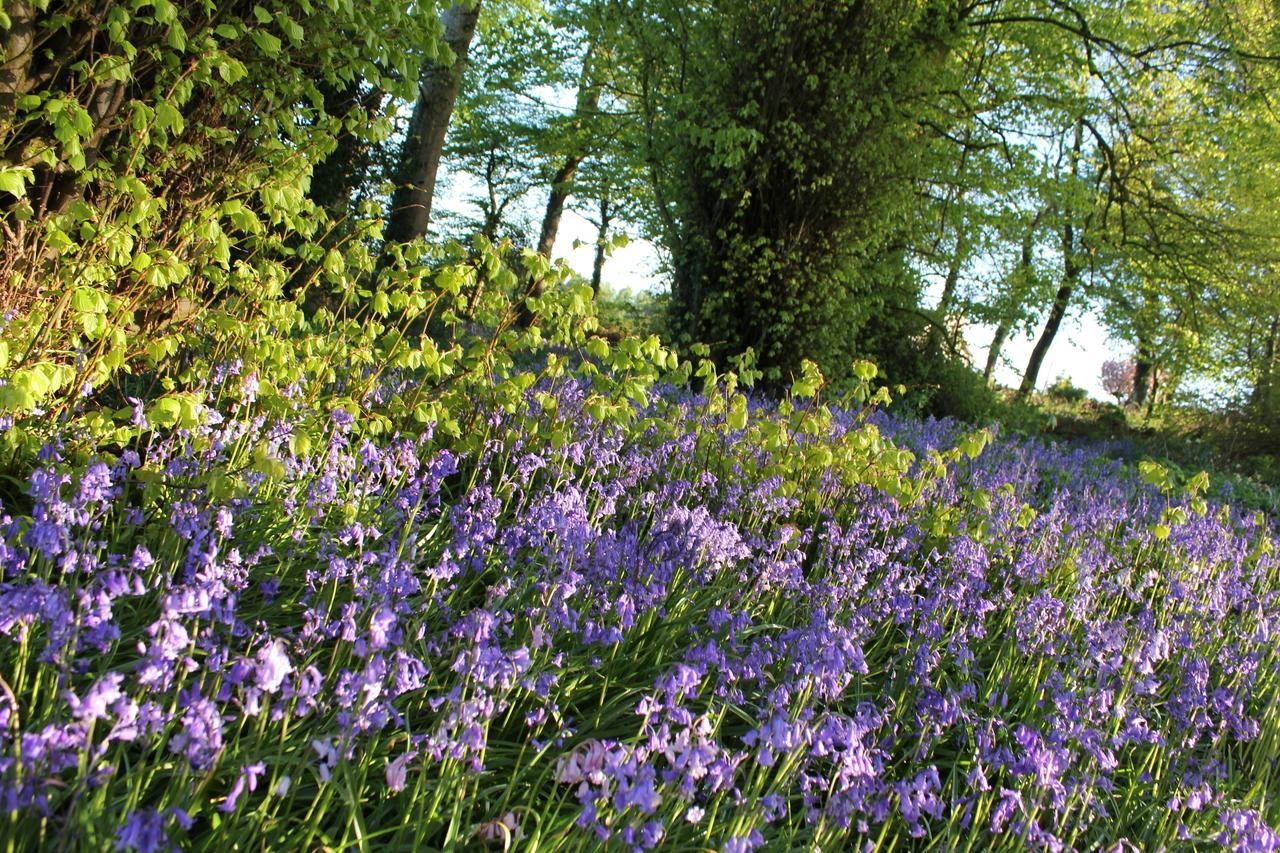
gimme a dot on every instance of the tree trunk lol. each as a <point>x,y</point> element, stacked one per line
<point>1022,281</point>
<point>1143,374</point>
<point>493,208</point>
<point>561,185</point>
<point>420,156</point>
<point>334,179</point>
<point>993,353</point>
<point>1264,388</point>
<point>959,252</point>
<point>1059,310</point>
<point>602,235</point>
<point>19,51</point>
<point>949,294</point>
<point>589,88</point>
<point>1070,277</point>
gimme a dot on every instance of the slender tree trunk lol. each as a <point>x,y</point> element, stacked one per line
<point>959,252</point>
<point>561,186</point>
<point>493,208</point>
<point>602,236</point>
<point>420,157</point>
<point>589,88</point>
<point>993,353</point>
<point>949,286</point>
<point>1059,310</point>
<point>1070,277</point>
<point>1022,281</point>
<point>1264,389</point>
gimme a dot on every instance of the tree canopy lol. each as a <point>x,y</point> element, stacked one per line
<point>829,181</point>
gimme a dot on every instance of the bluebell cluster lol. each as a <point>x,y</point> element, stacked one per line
<point>642,637</point>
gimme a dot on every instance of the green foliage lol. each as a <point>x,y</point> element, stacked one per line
<point>1063,390</point>
<point>631,314</point>
<point>157,159</point>
<point>787,150</point>
<point>957,391</point>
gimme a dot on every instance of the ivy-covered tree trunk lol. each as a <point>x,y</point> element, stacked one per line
<point>795,145</point>
<point>1143,374</point>
<point>335,179</point>
<point>420,156</point>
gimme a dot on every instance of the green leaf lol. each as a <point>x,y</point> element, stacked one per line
<point>1153,473</point>
<point>15,398</point>
<point>334,263</point>
<point>165,412</point>
<point>89,300</point>
<point>168,117</point>
<point>165,13</point>
<point>13,180</point>
<point>598,348</point>
<point>804,388</point>
<point>865,370</point>
<point>266,42</point>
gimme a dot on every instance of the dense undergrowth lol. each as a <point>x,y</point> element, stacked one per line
<point>350,586</point>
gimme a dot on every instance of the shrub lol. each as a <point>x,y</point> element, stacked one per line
<point>1063,390</point>
<point>958,391</point>
<point>155,160</point>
